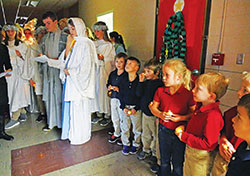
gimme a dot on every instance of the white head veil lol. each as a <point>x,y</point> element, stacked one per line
<point>79,26</point>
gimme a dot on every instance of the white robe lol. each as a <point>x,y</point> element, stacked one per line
<point>80,85</point>
<point>102,103</point>
<point>18,86</point>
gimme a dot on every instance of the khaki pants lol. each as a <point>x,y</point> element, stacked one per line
<point>220,166</point>
<point>198,162</point>
<point>15,115</point>
<point>149,133</point>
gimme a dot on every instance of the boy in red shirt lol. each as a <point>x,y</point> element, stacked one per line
<point>228,141</point>
<point>203,129</point>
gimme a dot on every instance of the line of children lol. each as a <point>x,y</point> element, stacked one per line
<point>113,90</point>
<point>173,104</point>
<point>203,129</point>
<point>228,141</point>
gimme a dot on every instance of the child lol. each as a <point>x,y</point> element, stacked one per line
<point>146,90</point>
<point>203,129</point>
<point>129,107</point>
<point>173,104</point>
<point>113,88</point>
<point>228,141</point>
<point>240,161</point>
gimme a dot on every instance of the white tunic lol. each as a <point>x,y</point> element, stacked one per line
<point>80,85</point>
<point>18,86</point>
<point>102,103</point>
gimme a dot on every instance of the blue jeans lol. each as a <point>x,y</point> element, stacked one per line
<point>171,152</point>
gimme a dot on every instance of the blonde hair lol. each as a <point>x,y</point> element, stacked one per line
<point>180,68</point>
<point>246,76</point>
<point>214,82</point>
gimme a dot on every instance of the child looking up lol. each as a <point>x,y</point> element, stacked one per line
<point>228,141</point>
<point>203,129</point>
<point>240,161</point>
<point>173,105</point>
<point>113,90</point>
<point>148,84</point>
<point>129,107</point>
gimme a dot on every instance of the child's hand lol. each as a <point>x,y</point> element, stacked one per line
<point>133,111</point>
<point>179,130</point>
<point>110,88</point>
<point>226,149</point>
<point>175,118</point>
<point>100,57</point>
<point>165,116</point>
<point>115,88</point>
<point>66,71</point>
<point>141,77</point>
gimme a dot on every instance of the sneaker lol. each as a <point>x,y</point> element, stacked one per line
<point>119,142</point>
<point>40,118</point>
<point>142,155</point>
<point>125,150</point>
<point>155,168</point>
<point>46,128</point>
<point>105,122</point>
<point>11,124</point>
<point>96,119</point>
<point>22,118</point>
<point>113,139</point>
<point>133,150</point>
<point>152,160</point>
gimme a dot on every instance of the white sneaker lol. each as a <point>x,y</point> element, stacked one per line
<point>11,124</point>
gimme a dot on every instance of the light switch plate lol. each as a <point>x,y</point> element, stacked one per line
<point>240,58</point>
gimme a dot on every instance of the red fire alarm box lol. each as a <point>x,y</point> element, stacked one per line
<point>218,59</point>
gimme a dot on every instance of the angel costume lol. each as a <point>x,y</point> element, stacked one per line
<point>18,87</point>
<point>78,86</point>
<point>102,104</point>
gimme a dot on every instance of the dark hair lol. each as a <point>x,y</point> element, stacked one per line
<point>118,38</point>
<point>50,15</point>
<point>7,39</point>
<point>70,22</point>
<point>122,55</point>
<point>245,102</point>
<point>135,59</point>
<point>153,64</point>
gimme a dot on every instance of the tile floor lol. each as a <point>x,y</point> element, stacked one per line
<point>30,133</point>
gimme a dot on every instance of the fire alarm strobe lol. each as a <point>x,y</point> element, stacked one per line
<point>218,59</point>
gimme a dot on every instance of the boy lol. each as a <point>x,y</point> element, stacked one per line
<point>203,129</point>
<point>146,90</point>
<point>240,161</point>
<point>129,107</point>
<point>113,91</point>
<point>228,141</point>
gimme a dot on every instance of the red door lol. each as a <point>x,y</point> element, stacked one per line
<point>194,20</point>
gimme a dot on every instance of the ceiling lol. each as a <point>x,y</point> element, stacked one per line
<point>14,9</point>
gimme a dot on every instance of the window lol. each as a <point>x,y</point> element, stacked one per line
<point>108,19</point>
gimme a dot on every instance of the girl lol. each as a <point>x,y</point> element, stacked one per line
<point>117,40</point>
<point>173,104</point>
<point>77,72</point>
<point>106,55</point>
<point>18,87</point>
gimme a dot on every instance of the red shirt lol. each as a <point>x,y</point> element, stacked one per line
<point>203,129</point>
<point>178,103</point>
<point>228,127</point>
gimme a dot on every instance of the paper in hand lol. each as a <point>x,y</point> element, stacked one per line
<point>42,59</point>
<point>4,73</point>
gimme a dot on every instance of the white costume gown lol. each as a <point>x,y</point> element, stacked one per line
<point>18,86</point>
<point>102,103</point>
<point>79,86</point>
